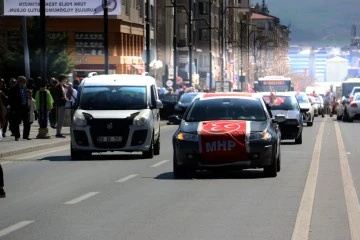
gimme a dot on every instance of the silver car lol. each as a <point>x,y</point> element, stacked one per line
<point>307,108</point>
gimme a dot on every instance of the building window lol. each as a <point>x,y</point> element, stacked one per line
<point>204,35</point>
<point>203,8</point>
<point>89,43</point>
<point>127,7</point>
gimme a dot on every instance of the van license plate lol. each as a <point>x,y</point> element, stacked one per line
<point>109,139</point>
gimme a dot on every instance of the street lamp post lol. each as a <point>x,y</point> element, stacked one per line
<point>106,37</point>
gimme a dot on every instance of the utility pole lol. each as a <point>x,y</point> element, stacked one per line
<point>190,41</point>
<point>147,37</point>
<point>210,45</point>
<point>175,39</point>
<point>26,48</point>
<point>106,36</point>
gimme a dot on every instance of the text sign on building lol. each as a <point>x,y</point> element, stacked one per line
<point>61,7</point>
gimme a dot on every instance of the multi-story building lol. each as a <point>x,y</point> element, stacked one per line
<point>126,37</point>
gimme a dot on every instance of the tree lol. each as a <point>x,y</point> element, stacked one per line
<point>58,59</point>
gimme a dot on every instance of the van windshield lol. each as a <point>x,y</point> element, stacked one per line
<point>113,98</point>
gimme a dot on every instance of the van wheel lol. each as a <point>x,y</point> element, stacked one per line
<point>79,155</point>
<point>150,152</point>
<point>157,146</point>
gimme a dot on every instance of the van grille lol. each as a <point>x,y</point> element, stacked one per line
<point>109,127</point>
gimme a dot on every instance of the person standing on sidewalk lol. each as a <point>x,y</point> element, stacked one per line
<point>19,108</point>
<point>52,113</point>
<point>60,101</point>
<point>2,191</point>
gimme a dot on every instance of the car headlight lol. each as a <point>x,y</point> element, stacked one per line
<point>141,119</point>
<point>79,120</point>
<point>265,136</point>
<point>187,137</point>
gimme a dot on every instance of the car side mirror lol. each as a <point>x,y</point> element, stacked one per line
<point>279,118</point>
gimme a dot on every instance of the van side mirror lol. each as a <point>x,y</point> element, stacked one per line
<point>158,104</point>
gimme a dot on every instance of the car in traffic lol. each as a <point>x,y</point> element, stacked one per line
<point>231,131</point>
<point>116,112</point>
<point>353,108</point>
<point>180,107</point>
<point>285,103</point>
<point>307,109</point>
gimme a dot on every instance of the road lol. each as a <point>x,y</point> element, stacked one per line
<point>315,196</point>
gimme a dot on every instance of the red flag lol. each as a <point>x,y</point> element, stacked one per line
<point>250,88</point>
<point>297,88</point>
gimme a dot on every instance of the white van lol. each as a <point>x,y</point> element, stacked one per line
<point>118,112</point>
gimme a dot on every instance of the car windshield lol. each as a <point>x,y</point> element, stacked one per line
<point>113,98</point>
<point>302,98</point>
<point>226,109</point>
<point>283,103</point>
<point>187,98</point>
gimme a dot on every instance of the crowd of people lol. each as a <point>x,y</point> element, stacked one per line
<point>20,104</point>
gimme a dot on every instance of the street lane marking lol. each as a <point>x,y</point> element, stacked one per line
<point>81,198</point>
<point>4,162</point>
<point>124,179</point>
<point>160,163</point>
<point>303,218</point>
<point>351,197</point>
<point>14,227</point>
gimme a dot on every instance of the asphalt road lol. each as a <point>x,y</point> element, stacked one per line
<point>315,196</point>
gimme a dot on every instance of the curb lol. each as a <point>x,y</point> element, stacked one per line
<point>34,148</point>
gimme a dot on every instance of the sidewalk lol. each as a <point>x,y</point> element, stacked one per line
<point>9,147</point>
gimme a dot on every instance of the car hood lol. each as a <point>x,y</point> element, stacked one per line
<point>289,114</point>
<point>255,126</point>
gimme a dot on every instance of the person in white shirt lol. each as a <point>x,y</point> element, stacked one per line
<point>71,93</point>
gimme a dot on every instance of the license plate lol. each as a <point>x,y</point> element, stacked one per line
<point>110,139</point>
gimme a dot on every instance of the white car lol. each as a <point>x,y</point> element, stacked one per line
<point>353,108</point>
<point>304,103</point>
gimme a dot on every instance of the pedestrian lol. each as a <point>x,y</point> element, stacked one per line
<point>44,104</point>
<point>3,112</point>
<point>2,191</point>
<point>71,93</point>
<point>60,101</point>
<point>52,112</point>
<point>19,108</point>
<point>33,115</point>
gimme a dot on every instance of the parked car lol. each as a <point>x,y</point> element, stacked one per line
<point>285,103</point>
<point>306,108</point>
<point>234,131</point>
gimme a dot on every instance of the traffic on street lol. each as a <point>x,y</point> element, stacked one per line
<point>123,196</point>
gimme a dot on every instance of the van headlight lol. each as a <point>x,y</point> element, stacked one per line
<point>141,119</point>
<point>79,120</point>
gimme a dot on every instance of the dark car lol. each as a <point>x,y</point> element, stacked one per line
<point>286,104</point>
<point>180,107</point>
<point>227,131</point>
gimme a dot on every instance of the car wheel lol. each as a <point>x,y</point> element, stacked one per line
<point>271,171</point>
<point>309,124</point>
<point>279,162</point>
<point>338,117</point>
<point>178,171</point>
<point>157,146</point>
<point>150,152</point>
<point>299,139</point>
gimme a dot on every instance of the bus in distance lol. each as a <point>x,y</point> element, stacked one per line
<point>348,85</point>
<point>273,83</point>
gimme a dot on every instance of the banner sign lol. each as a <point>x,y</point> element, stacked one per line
<point>61,7</point>
<point>224,141</point>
